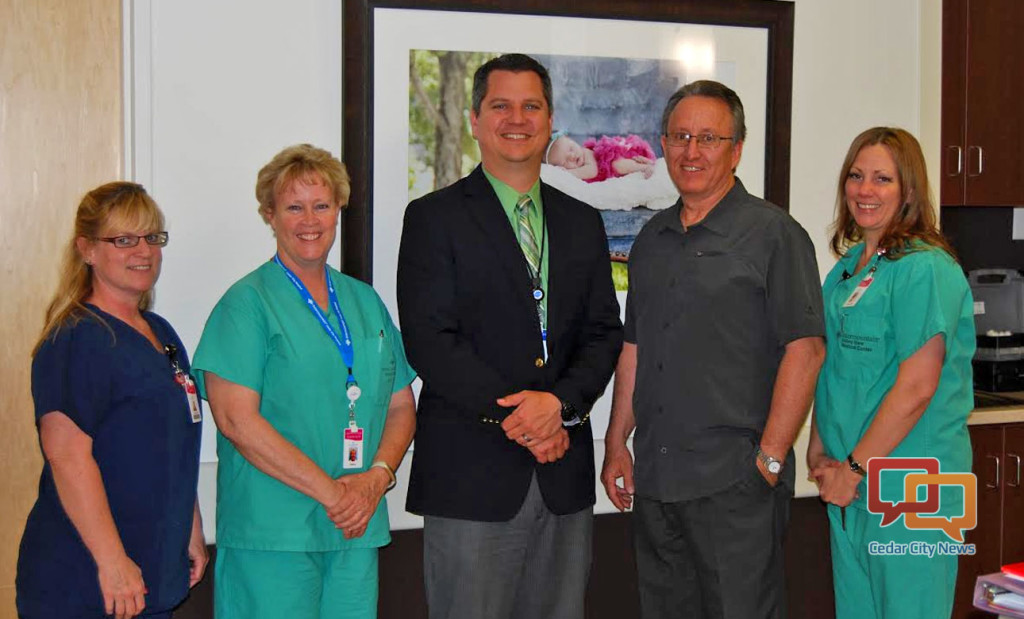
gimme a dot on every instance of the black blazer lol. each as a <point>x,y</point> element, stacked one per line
<point>470,330</point>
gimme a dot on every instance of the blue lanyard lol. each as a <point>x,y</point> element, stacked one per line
<point>543,331</point>
<point>538,296</point>
<point>344,345</point>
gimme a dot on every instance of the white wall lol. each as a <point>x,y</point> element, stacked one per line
<point>856,65</point>
<point>252,85</point>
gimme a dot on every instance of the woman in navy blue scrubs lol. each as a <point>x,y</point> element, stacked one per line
<point>116,528</point>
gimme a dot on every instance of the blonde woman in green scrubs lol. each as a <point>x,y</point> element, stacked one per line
<point>897,377</point>
<point>309,386</point>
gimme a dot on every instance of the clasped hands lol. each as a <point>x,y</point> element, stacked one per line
<point>355,500</point>
<point>536,424</point>
<point>837,483</point>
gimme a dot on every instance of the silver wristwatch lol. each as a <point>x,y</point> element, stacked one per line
<point>773,465</point>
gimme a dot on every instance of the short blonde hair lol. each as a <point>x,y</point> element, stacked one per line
<point>305,162</point>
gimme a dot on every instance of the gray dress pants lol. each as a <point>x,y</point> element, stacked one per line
<point>534,566</point>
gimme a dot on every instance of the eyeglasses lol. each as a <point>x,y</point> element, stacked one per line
<point>705,141</point>
<point>156,239</point>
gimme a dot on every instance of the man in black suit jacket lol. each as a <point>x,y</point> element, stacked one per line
<point>512,359</point>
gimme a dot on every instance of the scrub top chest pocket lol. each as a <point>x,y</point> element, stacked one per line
<point>862,333</point>
<point>374,355</point>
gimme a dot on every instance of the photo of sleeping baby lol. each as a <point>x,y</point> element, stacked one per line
<point>605,148</point>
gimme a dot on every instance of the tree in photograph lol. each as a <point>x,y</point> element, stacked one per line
<point>452,102</point>
<point>439,87</point>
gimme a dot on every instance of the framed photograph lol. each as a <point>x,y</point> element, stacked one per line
<point>605,148</point>
<point>613,65</point>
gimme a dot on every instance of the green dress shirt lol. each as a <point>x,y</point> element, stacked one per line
<point>508,198</point>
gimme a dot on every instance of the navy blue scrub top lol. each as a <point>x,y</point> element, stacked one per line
<point>121,391</point>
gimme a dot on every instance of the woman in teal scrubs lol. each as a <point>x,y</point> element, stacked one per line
<point>309,386</point>
<point>896,381</point>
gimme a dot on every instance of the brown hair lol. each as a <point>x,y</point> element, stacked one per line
<point>302,161</point>
<point>113,206</point>
<point>515,63</point>
<point>914,221</point>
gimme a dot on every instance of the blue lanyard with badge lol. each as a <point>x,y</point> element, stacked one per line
<point>352,454</point>
<point>538,295</point>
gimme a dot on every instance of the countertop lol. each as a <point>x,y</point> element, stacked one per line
<point>992,408</point>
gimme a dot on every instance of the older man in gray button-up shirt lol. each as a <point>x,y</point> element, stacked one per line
<point>723,346</point>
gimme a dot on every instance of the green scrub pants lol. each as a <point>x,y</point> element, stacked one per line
<point>893,586</point>
<point>259,584</point>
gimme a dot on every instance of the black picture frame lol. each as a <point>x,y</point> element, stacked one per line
<point>357,93</point>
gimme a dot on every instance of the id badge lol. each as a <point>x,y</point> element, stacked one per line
<point>353,446</point>
<point>859,291</point>
<point>189,386</point>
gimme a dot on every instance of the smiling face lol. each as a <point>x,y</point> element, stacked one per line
<point>514,123</point>
<point>305,222</point>
<point>565,152</point>
<point>702,176</point>
<point>122,274</point>
<point>873,191</point>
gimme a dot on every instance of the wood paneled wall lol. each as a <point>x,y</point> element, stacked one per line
<point>60,135</point>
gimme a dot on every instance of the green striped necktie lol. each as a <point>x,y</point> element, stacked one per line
<point>527,239</point>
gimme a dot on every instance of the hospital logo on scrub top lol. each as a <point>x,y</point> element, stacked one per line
<point>915,512</point>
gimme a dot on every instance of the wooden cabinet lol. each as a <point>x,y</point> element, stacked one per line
<point>999,536</point>
<point>982,103</point>
<point>1013,496</point>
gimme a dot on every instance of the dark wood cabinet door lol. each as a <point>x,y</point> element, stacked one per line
<point>951,175</point>
<point>987,443</point>
<point>994,148</point>
<point>1013,495</point>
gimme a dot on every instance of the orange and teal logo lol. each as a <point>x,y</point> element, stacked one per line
<point>915,512</point>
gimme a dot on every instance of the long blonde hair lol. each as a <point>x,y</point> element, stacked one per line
<point>120,205</point>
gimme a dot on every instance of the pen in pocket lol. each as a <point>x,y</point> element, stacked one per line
<point>380,341</point>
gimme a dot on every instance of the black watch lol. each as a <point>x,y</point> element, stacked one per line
<point>856,466</point>
<point>569,415</point>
